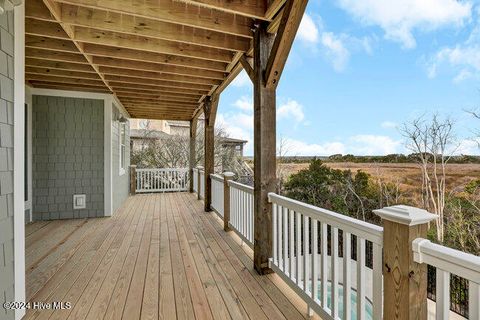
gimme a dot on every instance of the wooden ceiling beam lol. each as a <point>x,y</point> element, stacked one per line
<point>154,101</point>
<point>158,117</point>
<point>55,56</point>
<point>153,89</point>
<point>148,66</point>
<point>55,11</point>
<point>166,108</point>
<point>158,83</point>
<point>157,76</point>
<point>137,55</point>
<point>174,96</point>
<point>58,65</point>
<point>88,35</point>
<point>291,18</point>
<point>122,90</point>
<point>138,26</point>
<point>67,86</point>
<point>249,8</point>
<point>62,73</point>
<point>162,103</point>
<point>51,44</point>
<point>48,78</point>
<point>175,12</point>
<point>45,29</point>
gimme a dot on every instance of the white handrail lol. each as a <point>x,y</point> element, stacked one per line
<point>363,229</point>
<point>450,261</point>
<point>161,179</point>
<point>324,280</point>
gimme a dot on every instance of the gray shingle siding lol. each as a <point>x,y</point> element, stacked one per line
<point>6,164</point>
<point>120,186</point>
<point>68,157</point>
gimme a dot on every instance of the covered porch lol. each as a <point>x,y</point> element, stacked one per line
<point>159,257</point>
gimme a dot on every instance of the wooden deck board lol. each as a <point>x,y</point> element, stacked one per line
<point>159,257</point>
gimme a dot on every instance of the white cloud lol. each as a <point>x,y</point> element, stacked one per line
<point>241,80</point>
<point>368,144</point>
<point>462,75</point>
<point>400,18</point>
<point>388,124</point>
<point>300,148</point>
<point>291,109</point>
<point>244,103</point>
<point>336,50</point>
<point>466,146</point>
<point>308,31</point>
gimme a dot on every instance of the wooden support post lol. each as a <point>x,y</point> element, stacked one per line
<point>133,179</point>
<point>199,182</point>
<point>210,110</point>
<point>227,176</point>
<point>404,280</point>
<point>264,150</point>
<point>193,153</point>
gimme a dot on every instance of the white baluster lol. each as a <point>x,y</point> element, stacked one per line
<point>347,270</point>
<point>298,240</point>
<point>361,286</point>
<point>442,294</point>
<point>377,282</point>
<point>291,246</point>
<point>306,266</point>
<point>285,241</point>
<point>324,264</point>
<point>274,235</point>
<point>314,260</point>
<point>473,300</point>
<point>335,273</point>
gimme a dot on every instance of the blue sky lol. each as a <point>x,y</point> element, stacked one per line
<point>360,68</point>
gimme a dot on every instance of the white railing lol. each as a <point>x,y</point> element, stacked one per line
<point>195,179</point>
<point>241,211</point>
<point>202,183</point>
<point>331,285</point>
<point>217,194</point>
<point>450,261</point>
<point>161,180</point>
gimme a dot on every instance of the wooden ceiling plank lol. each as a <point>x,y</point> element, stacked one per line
<point>134,25</point>
<point>249,8</point>
<point>137,55</point>
<point>55,56</point>
<point>121,90</point>
<point>139,96</point>
<point>162,103</point>
<point>175,12</point>
<point>48,78</point>
<point>148,66</point>
<point>156,76</point>
<point>88,35</point>
<point>45,29</point>
<point>158,83</point>
<point>69,87</point>
<point>51,64</point>
<point>66,85</point>
<point>153,101</point>
<point>51,44</point>
<point>61,73</point>
<point>36,9</point>
<point>151,88</point>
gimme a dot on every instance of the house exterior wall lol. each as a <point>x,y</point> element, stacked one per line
<point>120,179</point>
<point>68,156</point>
<point>6,163</point>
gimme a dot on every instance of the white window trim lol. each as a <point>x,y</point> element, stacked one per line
<point>122,170</point>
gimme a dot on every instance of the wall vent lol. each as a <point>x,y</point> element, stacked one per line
<point>79,201</point>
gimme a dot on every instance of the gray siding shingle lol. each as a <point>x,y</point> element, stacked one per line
<point>68,157</point>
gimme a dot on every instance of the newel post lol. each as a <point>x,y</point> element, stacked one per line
<point>133,179</point>
<point>404,280</point>
<point>227,176</point>
<point>199,183</point>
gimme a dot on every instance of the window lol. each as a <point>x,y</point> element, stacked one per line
<point>123,142</point>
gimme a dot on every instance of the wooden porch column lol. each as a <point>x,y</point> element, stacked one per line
<point>404,280</point>
<point>210,110</point>
<point>133,180</point>
<point>193,146</point>
<point>264,131</point>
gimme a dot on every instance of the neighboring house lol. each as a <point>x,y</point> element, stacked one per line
<point>142,131</point>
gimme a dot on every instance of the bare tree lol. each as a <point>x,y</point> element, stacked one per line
<point>433,142</point>
<point>283,149</point>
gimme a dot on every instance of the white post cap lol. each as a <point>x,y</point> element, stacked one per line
<point>199,167</point>
<point>406,215</point>
<point>228,174</point>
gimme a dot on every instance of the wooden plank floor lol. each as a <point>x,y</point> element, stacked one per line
<point>159,257</point>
